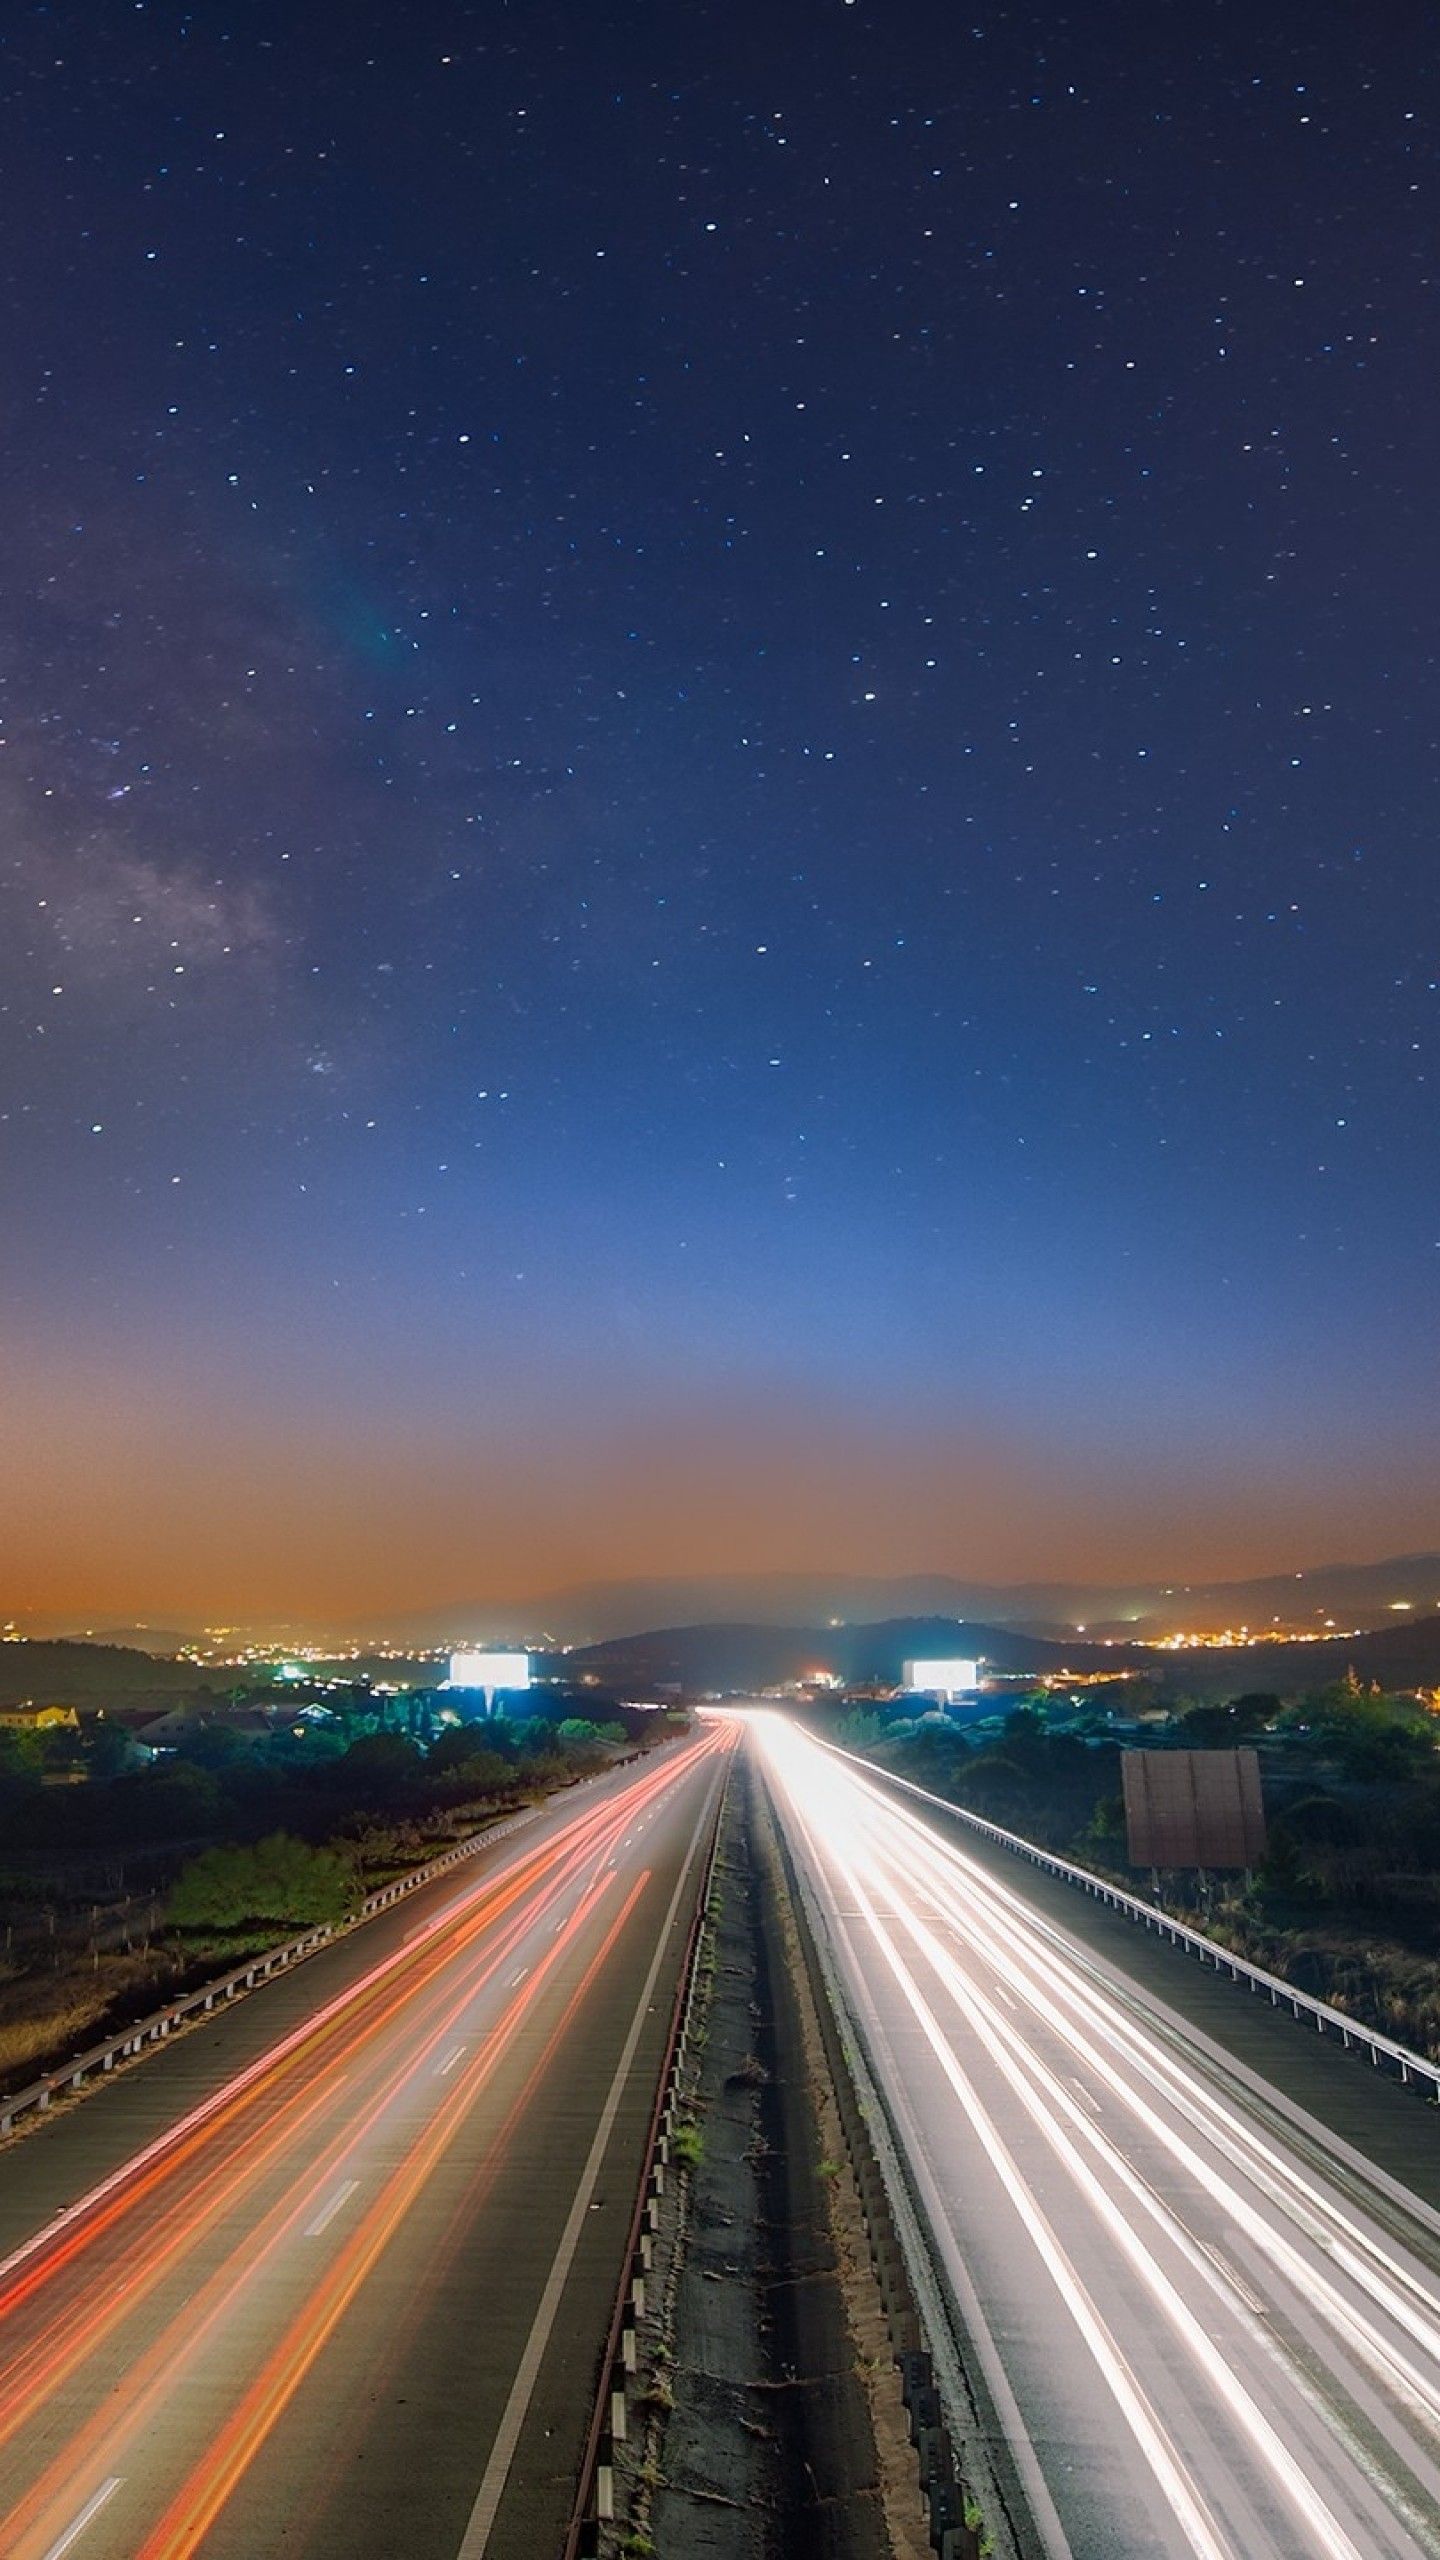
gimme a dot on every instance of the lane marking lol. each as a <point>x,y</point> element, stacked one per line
<point>517,1978</point>
<point>442,2069</point>
<point>522,2389</point>
<point>1004,1995</point>
<point>87,2515</point>
<point>1085,2097</point>
<point>326,2216</point>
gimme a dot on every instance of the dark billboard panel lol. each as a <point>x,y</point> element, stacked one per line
<point>1193,1808</point>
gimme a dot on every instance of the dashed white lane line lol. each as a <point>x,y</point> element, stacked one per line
<point>87,2515</point>
<point>457,2054</point>
<point>517,1978</point>
<point>327,2213</point>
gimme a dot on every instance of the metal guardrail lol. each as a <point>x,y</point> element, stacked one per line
<point>162,2023</point>
<point>1383,2050</point>
<point>936,2386</point>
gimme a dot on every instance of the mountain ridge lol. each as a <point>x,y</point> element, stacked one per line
<point>595,1612</point>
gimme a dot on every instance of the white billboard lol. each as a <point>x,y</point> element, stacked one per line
<point>943,1679</point>
<point>489,1670</point>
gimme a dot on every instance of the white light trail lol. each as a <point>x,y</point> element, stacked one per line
<point>1289,2410</point>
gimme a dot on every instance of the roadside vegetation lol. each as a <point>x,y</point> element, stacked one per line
<point>1347,1902</point>
<point>122,1884</point>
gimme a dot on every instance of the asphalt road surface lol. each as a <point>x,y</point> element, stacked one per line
<point>331,2274</point>
<point>1210,2328</point>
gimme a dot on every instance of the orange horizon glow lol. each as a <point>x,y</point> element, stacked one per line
<point>125,1510</point>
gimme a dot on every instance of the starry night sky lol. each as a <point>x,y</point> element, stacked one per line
<point>718,815</point>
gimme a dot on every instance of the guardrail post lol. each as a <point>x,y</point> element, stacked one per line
<point>605,2482</point>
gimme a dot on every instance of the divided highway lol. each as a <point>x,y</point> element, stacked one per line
<point>331,2273</point>
<point>1208,2329</point>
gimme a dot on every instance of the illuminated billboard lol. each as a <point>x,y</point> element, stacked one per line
<point>943,1679</point>
<point>489,1670</point>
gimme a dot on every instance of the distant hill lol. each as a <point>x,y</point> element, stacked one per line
<point>1353,1595</point>
<point>587,1613</point>
<point>159,1642</point>
<point>741,1656</point>
<point>751,1656</point>
<point>746,1654</point>
<point>1401,1656</point>
<point>79,1674</point>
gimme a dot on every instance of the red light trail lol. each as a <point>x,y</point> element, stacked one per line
<point>153,2335</point>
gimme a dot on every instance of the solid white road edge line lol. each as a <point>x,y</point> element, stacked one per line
<point>87,2515</point>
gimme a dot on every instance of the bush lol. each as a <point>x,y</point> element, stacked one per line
<point>280,1880</point>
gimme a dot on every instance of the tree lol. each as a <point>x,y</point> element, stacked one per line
<point>1220,1727</point>
<point>62,1751</point>
<point>462,1757</point>
<point>211,1746</point>
<point>108,1749</point>
<point>860,1729</point>
<point>19,1752</point>
<point>1365,1734</point>
<point>380,1770</point>
<point>166,1802</point>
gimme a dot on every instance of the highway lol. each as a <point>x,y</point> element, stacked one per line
<point>332,2273</point>
<point>1207,2331</point>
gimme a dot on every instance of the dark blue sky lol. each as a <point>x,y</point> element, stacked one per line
<point>719,799</point>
